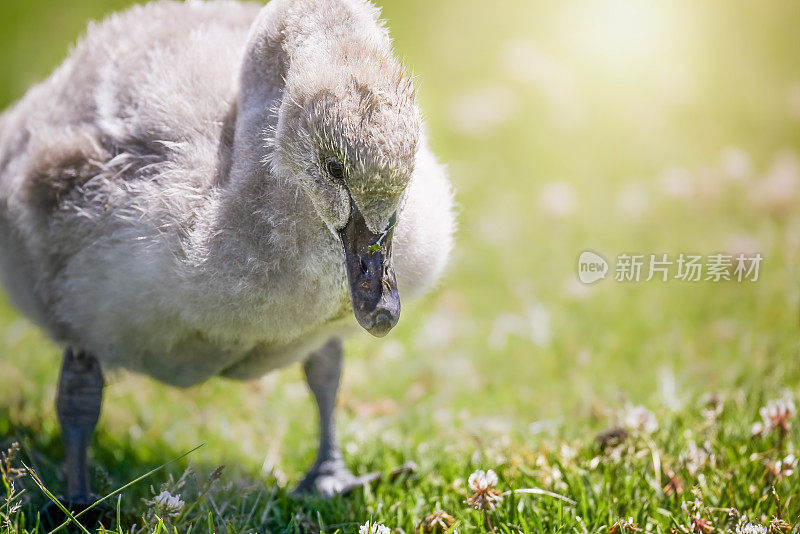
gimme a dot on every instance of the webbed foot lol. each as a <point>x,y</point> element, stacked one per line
<point>332,478</point>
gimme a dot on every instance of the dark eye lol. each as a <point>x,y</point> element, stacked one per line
<point>335,169</point>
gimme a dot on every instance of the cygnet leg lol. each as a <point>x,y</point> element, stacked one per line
<point>80,393</point>
<point>328,475</point>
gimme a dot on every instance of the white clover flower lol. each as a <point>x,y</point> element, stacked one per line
<point>169,503</point>
<point>697,523</point>
<point>483,109</point>
<point>633,200</point>
<point>438,521</point>
<point>558,199</point>
<point>712,402</point>
<point>751,528</point>
<point>757,429</point>
<point>778,413</point>
<point>485,496</point>
<point>735,163</point>
<point>695,458</point>
<point>373,528</point>
<point>676,182</point>
<point>785,467</point>
<point>482,480</point>
<point>640,419</point>
<point>624,525</point>
<point>777,192</point>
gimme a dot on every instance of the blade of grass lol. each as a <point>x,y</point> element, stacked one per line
<point>126,486</point>
<point>52,497</point>
<point>119,512</point>
<point>537,491</point>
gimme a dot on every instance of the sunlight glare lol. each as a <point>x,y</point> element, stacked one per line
<point>619,34</point>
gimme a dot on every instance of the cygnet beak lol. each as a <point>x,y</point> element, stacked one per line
<point>368,261</point>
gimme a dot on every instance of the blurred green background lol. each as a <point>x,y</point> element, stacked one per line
<point>636,126</point>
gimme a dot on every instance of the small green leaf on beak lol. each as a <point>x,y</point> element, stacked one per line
<point>375,247</point>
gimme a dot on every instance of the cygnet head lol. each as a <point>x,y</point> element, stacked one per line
<point>348,131</point>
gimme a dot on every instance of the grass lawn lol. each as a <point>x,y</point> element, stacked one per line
<point>622,127</point>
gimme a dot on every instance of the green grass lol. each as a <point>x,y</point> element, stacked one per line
<point>517,95</point>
